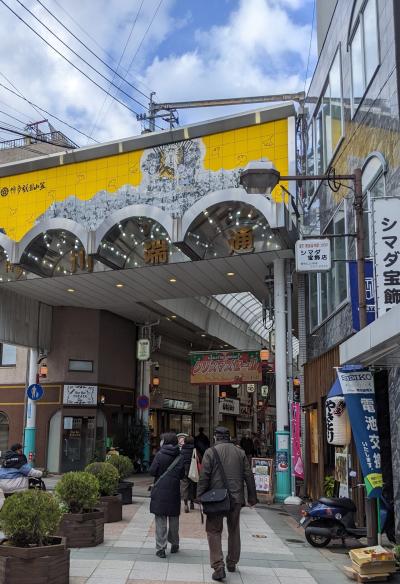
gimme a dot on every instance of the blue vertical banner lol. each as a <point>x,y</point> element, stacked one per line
<point>359,394</point>
<point>369,292</point>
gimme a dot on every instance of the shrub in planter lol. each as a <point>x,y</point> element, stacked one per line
<point>110,500</point>
<point>124,466</point>
<point>32,553</point>
<point>83,524</point>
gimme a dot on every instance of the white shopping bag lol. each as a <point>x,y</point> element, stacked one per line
<point>193,474</point>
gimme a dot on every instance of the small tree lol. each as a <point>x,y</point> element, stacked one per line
<point>123,464</point>
<point>79,491</point>
<point>107,475</point>
<point>30,517</point>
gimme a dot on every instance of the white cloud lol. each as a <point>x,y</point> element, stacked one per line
<point>250,54</point>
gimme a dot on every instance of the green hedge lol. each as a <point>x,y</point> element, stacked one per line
<point>107,476</point>
<point>79,491</point>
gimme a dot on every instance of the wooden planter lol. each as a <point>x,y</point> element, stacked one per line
<point>125,490</point>
<point>112,508</point>
<point>36,565</point>
<point>83,529</point>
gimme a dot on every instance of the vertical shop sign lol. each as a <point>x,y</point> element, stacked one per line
<point>386,222</point>
<point>297,461</point>
<point>359,394</point>
<point>369,292</point>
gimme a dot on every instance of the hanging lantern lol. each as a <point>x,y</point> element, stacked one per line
<point>338,429</point>
<point>264,354</point>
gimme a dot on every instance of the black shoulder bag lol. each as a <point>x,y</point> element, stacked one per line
<point>217,501</point>
<point>171,466</point>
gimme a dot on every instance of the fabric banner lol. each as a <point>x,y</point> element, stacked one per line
<point>359,393</point>
<point>369,292</point>
<point>297,461</point>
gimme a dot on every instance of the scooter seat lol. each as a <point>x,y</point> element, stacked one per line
<point>343,502</point>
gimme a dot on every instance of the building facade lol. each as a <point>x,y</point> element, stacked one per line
<point>352,110</point>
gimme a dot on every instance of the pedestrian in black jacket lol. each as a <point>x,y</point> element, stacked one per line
<point>165,494</point>
<point>188,486</point>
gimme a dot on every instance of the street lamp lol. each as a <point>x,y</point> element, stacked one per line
<point>259,176</point>
<point>264,355</point>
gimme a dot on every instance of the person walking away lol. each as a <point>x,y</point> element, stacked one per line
<point>168,470</point>
<point>238,472</point>
<point>188,486</point>
<point>201,442</point>
<point>246,443</point>
<point>15,472</point>
<point>181,439</point>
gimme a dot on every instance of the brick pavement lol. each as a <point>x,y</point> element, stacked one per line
<point>272,553</point>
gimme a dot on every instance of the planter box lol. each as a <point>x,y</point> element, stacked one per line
<point>112,508</point>
<point>35,565</point>
<point>125,490</point>
<point>83,529</point>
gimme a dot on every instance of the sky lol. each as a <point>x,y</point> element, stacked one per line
<point>180,49</point>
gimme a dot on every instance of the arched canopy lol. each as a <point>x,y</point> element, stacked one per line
<point>7,244</point>
<point>230,228</point>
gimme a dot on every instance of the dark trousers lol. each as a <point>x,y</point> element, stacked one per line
<point>214,526</point>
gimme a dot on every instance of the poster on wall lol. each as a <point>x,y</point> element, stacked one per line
<point>359,393</point>
<point>314,436</point>
<point>342,470</point>
<point>80,395</point>
<point>297,460</point>
<point>262,470</point>
<point>225,367</point>
<point>386,225</point>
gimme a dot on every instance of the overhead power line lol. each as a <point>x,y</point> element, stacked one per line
<point>41,109</point>
<point>70,62</point>
<point>144,36</point>
<point>26,135</point>
<point>72,51</point>
<point>114,71</point>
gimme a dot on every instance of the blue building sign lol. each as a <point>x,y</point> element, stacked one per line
<point>369,292</point>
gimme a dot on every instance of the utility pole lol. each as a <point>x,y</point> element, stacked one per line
<point>30,422</point>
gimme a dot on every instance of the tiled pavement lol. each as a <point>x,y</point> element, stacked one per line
<point>272,553</point>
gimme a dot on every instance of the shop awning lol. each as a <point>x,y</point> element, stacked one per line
<point>336,389</point>
<point>377,344</point>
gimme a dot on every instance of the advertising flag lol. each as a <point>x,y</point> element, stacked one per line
<point>359,393</point>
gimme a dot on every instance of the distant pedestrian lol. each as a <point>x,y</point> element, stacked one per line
<point>201,442</point>
<point>181,439</point>
<point>248,445</point>
<point>168,470</point>
<point>188,487</point>
<point>237,471</point>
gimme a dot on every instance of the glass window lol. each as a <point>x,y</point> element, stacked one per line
<point>364,51</point>
<point>357,68</point>
<point>376,190</point>
<point>370,39</point>
<point>336,118</point>
<point>319,153</point>
<point>8,355</point>
<point>313,282</point>
<point>310,162</point>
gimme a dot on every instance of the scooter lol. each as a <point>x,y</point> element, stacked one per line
<point>333,518</point>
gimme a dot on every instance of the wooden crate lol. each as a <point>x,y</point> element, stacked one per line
<point>353,575</point>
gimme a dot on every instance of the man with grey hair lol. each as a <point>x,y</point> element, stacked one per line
<point>237,471</point>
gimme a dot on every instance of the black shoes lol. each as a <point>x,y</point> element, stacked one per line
<point>191,505</point>
<point>219,574</point>
<point>161,554</point>
<point>174,548</point>
<point>231,568</point>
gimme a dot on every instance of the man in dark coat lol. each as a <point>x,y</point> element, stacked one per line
<point>238,472</point>
<point>165,495</point>
<point>201,442</point>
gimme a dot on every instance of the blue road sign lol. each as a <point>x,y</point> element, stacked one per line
<point>35,391</point>
<point>143,402</point>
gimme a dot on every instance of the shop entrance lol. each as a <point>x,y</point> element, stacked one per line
<point>78,442</point>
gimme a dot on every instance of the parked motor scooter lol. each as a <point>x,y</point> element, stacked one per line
<point>333,518</point>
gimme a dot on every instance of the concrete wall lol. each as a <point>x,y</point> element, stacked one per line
<point>15,374</point>
<point>117,351</point>
<point>28,151</point>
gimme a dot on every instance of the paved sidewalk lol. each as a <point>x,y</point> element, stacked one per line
<point>272,553</point>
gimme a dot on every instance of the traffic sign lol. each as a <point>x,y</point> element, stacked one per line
<point>143,350</point>
<point>143,402</point>
<point>35,392</point>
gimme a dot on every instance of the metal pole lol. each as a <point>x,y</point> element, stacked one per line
<point>359,212</point>
<point>282,415</point>
<point>30,424</point>
<point>290,362</point>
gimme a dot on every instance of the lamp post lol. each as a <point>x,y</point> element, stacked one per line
<point>260,177</point>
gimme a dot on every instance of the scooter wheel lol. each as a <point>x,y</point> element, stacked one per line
<point>318,541</point>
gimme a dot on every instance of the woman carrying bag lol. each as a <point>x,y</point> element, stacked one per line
<point>189,482</point>
<point>168,470</point>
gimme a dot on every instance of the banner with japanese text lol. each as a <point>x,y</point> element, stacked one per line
<point>359,394</point>
<point>369,292</point>
<point>386,223</point>
<point>297,461</point>
<point>225,367</point>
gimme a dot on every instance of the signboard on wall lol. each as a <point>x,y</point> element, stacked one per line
<point>262,470</point>
<point>229,406</point>
<point>225,367</point>
<point>143,350</point>
<point>80,395</point>
<point>369,292</point>
<point>313,255</point>
<point>386,225</point>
